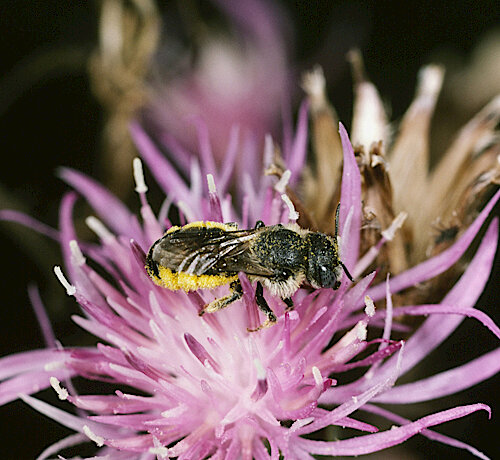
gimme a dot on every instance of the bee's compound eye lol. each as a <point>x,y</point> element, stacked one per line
<point>328,277</point>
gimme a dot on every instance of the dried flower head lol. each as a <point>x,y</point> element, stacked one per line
<point>433,207</point>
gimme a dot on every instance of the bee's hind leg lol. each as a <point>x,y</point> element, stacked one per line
<point>289,303</point>
<point>262,304</point>
<point>223,302</point>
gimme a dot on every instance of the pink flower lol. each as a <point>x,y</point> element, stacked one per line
<point>193,387</point>
<point>236,81</point>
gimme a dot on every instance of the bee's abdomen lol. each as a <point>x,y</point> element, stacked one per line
<point>168,261</point>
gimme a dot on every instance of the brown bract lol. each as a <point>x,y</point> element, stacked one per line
<point>396,176</point>
<point>128,37</point>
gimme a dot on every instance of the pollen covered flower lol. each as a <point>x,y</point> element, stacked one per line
<point>192,387</point>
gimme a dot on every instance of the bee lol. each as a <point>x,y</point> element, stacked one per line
<point>205,255</point>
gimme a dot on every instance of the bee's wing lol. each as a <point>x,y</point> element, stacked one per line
<point>237,256</point>
<point>229,252</point>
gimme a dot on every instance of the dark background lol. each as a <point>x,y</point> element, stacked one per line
<point>49,118</point>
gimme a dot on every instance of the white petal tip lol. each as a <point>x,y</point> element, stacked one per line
<point>140,183</point>
<point>160,451</point>
<point>261,372</point>
<point>431,79</point>
<point>396,224</point>
<point>313,82</point>
<point>70,289</point>
<point>361,331</point>
<point>99,228</point>
<point>281,185</point>
<point>292,213</point>
<point>318,378</point>
<point>62,393</point>
<point>369,306</point>
<point>99,440</point>
<point>211,183</point>
<point>76,254</point>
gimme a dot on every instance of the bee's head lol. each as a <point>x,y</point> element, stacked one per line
<point>324,269</point>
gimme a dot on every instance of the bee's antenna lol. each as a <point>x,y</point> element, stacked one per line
<point>337,212</point>
<point>347,272</point>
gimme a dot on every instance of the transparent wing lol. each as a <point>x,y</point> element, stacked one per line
<point>197,251</point>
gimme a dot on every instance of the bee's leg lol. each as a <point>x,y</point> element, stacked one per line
<point>223,302</point>
<point>262,304</point>
<point>289,303</point>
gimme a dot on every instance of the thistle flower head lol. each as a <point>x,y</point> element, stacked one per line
<point>235,79</point>
<point>204,387</point>
<point>192,387</point>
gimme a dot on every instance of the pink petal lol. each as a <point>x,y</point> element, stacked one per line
<point>200,352</point>
<point>440,309</point>
<point>30,382</point>
<point>65,443</point>
<point>373,358</point>
<point>378,441</point>
<point>348,422</point>
<point>164,173</point>
<point>445,383</point>
<point>427,433</point>
<point>350,198</point>
<point>30,361</point>
<point>297,156</point>
<point>30,222</point>
<point>229,161</point>
<point>67,230</point>
<point>347,407</point>
<point>71,421</point>
<point>115,404</point>
<point>204,146</point>
<point>109,208</point>
<point>174,150</point>
<point>215,208</point>
<point>438,264</point>
<point>354,296</point>
<point>42,317</point>
<point>133,421</point>
<point>465,293</point>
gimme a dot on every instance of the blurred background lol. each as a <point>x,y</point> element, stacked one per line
<point>66,98</point>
